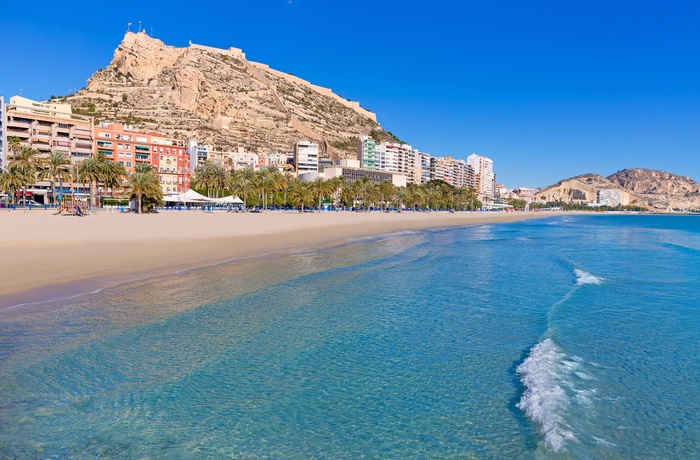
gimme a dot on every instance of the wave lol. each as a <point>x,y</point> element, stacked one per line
<point>545,400</point>
<point>583,277</point>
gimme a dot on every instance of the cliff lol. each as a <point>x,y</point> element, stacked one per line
<point>660,189</point>
<point>641,187</point>
<point>220,98</point>
<point>584,189</point>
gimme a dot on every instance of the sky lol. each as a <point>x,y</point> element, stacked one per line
<point>546,89</point>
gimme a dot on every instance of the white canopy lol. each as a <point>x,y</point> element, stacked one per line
<point>190,196</point>
<point>228,200</point>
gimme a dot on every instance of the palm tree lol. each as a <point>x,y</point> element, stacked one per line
<point>270,181</point>
<point>144,184</point>
<point>301,192</point>
<point>337,183</point>
<point>286,182</point>
<point>320,187</point>
<point>12,179</point>
<point>387,191</point>
<point>112,175</point>
<point>242,182</point>
<point>26,161</point>
<point>55,165</point>
<point>13,144</point>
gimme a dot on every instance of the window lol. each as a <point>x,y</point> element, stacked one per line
<point>128,163</point>
<point>105,135</point>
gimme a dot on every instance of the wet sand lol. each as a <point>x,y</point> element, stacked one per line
<point>47,256</point>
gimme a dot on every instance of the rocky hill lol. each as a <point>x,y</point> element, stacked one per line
<point>641,187</point>
<point>583,189</point>
<point>220,98</point>
<point>660,189</point>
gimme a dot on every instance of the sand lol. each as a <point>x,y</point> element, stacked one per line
<point>47,256</point>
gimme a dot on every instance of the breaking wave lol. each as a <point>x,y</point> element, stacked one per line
<point>550,377</point>
<point>583,277</point>
<point>545,400</point>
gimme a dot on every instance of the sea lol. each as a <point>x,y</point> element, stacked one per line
<point>568,337</point>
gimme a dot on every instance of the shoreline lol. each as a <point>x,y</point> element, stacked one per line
<point>50,257</point>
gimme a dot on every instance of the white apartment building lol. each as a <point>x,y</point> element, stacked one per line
<point>483,173</point>
<point>387,157</point>
<point>198,154</point>
<point>609,197</point>
<point>305,157</point>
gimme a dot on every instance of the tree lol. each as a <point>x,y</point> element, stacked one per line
<point>11,180</point>
<point>26,161</point>
<point>387,191</point>
<point>301,192</point>
<point>242,182</point>
<point>144,184</point>
<point>56,165</point>
<point>270,182</point>
<point>320,187</point>
<point>112,175</point>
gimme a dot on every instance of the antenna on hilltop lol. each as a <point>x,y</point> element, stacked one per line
<point>139,26</point>
<point>128,27</point>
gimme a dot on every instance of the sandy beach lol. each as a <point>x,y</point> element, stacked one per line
<point>48,256</point>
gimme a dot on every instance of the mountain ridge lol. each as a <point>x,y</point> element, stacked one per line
<point>639,186</point>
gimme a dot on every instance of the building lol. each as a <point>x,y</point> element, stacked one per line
<point>46,128</point>
<point>172,162</point>
<point>367,152</point>
<point>3,137</point>
<point>484,177</point>
<point>609,197</point>
<point>198,154</point>
<point>351,171</point>
<point>387,157</point>
<point>126,145</point>
<point>305,157</point>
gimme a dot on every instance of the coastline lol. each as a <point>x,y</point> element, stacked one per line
<point>49,256</point>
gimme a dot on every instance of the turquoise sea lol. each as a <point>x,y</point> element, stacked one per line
<point>567,337</point>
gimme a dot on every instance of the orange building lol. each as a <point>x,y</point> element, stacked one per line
<point>128,146</point>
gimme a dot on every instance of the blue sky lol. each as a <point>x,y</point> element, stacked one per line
<point>547,89</point>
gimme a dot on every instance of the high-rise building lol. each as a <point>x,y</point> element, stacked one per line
<point>305,157</point>
<point>483,174</point>
<point>367,152</point>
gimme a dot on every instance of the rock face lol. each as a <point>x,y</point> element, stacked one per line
<point>583,189</point>
<point>660,188</point>
<point>641,187</point>
<point>220,98</point>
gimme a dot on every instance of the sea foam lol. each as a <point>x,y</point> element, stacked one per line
<point>545,401</point>
<point>583,277</point>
